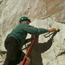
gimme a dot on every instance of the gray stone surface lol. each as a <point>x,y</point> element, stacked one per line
<point>50,50</point>
<point>44,14</point>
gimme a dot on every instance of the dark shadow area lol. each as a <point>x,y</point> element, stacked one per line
<point>45,46</point>
<point>40,48</point>
<point>1,1</point>
<point>61,53</point>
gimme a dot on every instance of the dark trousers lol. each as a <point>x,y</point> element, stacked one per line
<point>14,55</point>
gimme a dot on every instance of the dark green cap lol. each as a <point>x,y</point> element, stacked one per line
<point>24,19</point>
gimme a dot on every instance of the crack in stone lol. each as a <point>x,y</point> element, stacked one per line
<point>61,53</point>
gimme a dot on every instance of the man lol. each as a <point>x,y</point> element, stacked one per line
<point>16,39</point>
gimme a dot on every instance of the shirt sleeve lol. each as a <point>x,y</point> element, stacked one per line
<point>34,30</point>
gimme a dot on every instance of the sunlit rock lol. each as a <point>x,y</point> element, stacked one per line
<point>43,14</point>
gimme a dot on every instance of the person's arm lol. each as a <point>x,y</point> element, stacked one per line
<point>28,40</point>
<point>33,30</point>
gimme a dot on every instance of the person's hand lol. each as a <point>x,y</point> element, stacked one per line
<point>57,29</point>
<point>52,29</point>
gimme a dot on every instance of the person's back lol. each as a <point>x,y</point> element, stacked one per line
<point>19,34</point>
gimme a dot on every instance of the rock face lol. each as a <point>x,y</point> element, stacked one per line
<point>43,14</point>
<point>50,50</point>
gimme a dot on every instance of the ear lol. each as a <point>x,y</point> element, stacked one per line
<point>27,22</point>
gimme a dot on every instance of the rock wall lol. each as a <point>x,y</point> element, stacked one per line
<point>50,50</point>
<point>43,14</point>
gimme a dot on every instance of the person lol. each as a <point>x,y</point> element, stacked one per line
<point>17,38</point>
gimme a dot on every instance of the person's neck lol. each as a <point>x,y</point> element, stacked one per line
<point>24,22</point>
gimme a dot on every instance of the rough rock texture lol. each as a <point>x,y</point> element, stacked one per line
<point>50,50</point>
<point>43,13</point>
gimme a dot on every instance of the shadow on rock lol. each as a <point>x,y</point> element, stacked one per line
<point>40,48</point>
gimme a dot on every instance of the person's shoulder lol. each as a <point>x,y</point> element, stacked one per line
<point>24,24</point>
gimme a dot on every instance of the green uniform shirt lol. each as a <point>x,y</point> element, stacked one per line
<point>20,32</point>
